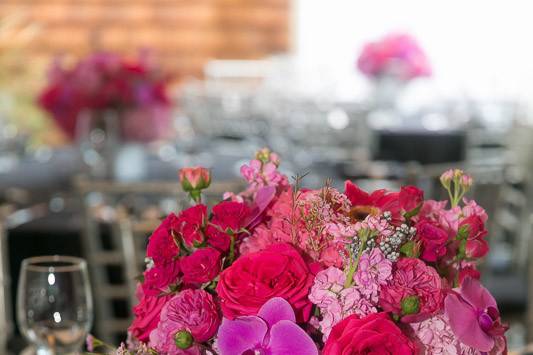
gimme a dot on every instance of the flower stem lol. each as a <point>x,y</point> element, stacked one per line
<point>231,256</point>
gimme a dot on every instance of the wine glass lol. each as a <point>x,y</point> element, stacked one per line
<point>54,303</point>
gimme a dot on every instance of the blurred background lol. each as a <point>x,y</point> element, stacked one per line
<point>102,101</point>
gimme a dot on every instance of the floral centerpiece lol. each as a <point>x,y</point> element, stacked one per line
<point>133,88</point>
<point>390,63</point>
<point>280,269</point>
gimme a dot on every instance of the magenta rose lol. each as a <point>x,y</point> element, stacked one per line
<point>146,316</point>
<point>373,334</point>
<point>158,278</point>
<point>433,239</point>
<point>277,271</point>
<point>201,266</point>
<point>228,219</point>
<point>162,247</point>
<point>191,311</point>
<point>410,197</point>
<point>414,293</point>
<point>189,225</point>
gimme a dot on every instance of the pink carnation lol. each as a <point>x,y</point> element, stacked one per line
<point>374,270</point>
<point>414,293</point>
<point>192,310</point>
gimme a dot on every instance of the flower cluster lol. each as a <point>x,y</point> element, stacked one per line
<point>283,270</point>
<point>396,55</point>
<point>106,81</point>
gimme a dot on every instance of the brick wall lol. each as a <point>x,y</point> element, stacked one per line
<point>184,33</point>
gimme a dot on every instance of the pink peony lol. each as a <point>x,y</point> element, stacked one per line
<point>374,271</point>
<point>162,247</point>
<point>193,311</point>
<point>414,293</point>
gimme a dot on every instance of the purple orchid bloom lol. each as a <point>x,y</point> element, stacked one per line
<point>263,197</point>
<point>272,332</point>
<point>474,315</point>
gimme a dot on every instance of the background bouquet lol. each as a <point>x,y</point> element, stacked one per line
<point>278,269</point>
<point>396,55</point>
<point>134,88</point>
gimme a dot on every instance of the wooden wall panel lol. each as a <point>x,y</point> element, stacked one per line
<point>185,33</point>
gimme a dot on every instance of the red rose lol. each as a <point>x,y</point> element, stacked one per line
<point>373,334</point>
<point>201,266</point>
<point>433,239</point>
<point>162,247</point>
<point>228,219</point>
<point>158,278</point>
<point>189,223</point>
<point>278,271</point>
<point>410,198</point>
<point>147,314</point>
<point>476,246</point>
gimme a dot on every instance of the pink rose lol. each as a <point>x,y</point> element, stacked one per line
<point>410,198</point>
<point>414,293</point>
<point>201,266</point>
<point>192,311</point>
<point>162,247</point>
<point>278,271</point>
<point>147,316</point>
<point>373,334</point>
<point>158,278</point>
<point>433,239</point>
<point>195,178</point>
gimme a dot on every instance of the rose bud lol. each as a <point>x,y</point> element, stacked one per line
<point>194,180</point>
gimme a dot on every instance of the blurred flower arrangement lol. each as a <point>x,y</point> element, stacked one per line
<point>278,269</point>
<point>134,89</point>
<point>397,55</point>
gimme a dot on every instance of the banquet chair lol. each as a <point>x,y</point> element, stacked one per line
<point>6,323</point>
<point>117,225</point>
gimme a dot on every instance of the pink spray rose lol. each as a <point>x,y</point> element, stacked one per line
<point>194,178</point>
<point>146,316</point>
<point>414,293</point>
<point>201,266</point>
<point>433,239</point>
<point>162,247</point>
<point>189,224</point>
<point>158,278</point>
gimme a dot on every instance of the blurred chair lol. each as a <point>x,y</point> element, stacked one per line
<point>6,323</point>
<point>119,218</point>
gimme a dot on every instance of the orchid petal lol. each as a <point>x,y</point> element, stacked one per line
<point>465,325</point>
<point>288,338</point>
<point>242,334</point>
<point>477,295</point>
<point>263,198</point>
<point>276,309</point>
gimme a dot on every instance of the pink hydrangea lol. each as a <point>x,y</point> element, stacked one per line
<point>438,338</point>
<point>414,293</point>
<point>193,311</point>
<point>374,270</point>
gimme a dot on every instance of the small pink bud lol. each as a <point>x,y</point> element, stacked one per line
<point>195,178</point>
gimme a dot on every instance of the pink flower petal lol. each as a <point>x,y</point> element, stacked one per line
<point>465,325</point>
<point>477,295</point>
<point>237,336</point>
<point>276,309</point>
<point>288,338</point>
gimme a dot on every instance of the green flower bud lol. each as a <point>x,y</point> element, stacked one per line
<point>410,305</point>
<point>183,339</point>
